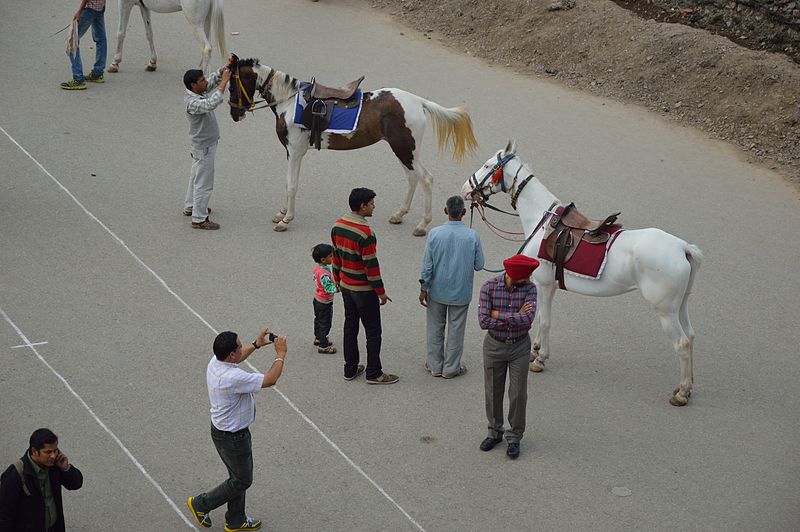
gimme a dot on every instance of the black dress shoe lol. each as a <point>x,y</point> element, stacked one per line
<point>489,443</point>
<point>513,450</point>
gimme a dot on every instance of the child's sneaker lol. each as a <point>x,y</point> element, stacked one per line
<point>73,85</point>
<point>95,78</point>
<point>329,349</point>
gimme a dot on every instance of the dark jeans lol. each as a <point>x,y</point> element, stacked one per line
<point>364,307</point>
<point>323,315</point>
<point>236,452</point>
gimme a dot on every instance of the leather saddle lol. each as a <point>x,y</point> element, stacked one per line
<point>567,228</point>
<point>320,103</point>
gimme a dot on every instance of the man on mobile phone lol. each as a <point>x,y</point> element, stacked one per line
<point>30,488</point>
<point>231,391</point>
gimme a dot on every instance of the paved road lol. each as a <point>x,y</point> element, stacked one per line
<point>97,261</point>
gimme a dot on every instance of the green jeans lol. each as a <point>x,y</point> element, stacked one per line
<point>236,451</point>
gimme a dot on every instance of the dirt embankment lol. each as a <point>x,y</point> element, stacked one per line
<point>747,97</point>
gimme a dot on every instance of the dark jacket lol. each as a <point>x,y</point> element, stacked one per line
<point>25,513</point>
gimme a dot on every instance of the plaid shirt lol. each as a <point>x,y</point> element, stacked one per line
<point>511,323</point>
<point>96,5</point>
<point>230,391</point>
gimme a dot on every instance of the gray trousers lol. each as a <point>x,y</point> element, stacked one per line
<point>454,317</point>
<point>498,359</point>
<point>201,182</point>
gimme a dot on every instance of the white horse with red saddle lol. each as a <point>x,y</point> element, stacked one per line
<point>661,266</point>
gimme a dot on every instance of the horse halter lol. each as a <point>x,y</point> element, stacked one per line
<point>496,176</point>
<point>251,104</point>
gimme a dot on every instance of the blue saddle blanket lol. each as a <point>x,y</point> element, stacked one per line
<point>342,120</point>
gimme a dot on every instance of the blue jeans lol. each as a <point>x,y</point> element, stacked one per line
<point>95,19</point>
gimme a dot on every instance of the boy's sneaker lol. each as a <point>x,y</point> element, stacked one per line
<point>95,78</point>
<point>250,524</point>
<point>384,378</point>
<point>203,518</point>
<point>73,85</point>
<point>329,349</point>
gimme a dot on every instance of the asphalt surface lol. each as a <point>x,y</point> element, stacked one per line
<point>97,261</point>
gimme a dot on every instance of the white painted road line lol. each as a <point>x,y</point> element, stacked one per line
<point>27,345</point>
<point>98,420</point>
<point>207,324</point>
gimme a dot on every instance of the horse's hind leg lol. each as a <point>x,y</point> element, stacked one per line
<point>202,38</point>
<point>671,324</point>
<point>123,17</point>
<point>148,31</point>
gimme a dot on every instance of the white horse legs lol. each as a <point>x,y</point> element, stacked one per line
<point>122,27</point>
<point>683,347</point>
<point>419,174</point>
<point>202,39</point>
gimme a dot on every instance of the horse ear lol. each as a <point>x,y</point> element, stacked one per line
<point>511,147</point>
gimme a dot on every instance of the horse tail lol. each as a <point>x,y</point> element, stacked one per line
<point>695,258</point>
<point>453,127</point>
<point>218,27</point>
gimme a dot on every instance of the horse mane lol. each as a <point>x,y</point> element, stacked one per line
<point>283,85</point>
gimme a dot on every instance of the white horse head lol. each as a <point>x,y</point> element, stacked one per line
<point>661,266</point>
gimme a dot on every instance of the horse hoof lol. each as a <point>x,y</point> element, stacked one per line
<point>281,227</point>
<point>420,232</point>
<point>151,67</point>
<point>113,68</point>
<point>395,220</point>
<point>277,218</point>
<point>676,400</point>
<point>676,390</point>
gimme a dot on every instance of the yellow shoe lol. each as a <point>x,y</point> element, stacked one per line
<point>250,524</point>
<point>203,519</point>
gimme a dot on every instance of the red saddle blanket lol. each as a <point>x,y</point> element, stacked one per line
<point>589,259</point>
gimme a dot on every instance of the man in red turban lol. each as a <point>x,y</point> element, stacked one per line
<point>506,311</point>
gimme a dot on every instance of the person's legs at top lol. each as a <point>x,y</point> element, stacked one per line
<point>100,42</point>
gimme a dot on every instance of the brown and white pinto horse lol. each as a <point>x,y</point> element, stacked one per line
<point>393,115</point>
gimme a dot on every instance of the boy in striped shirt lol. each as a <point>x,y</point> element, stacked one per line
<point>358,275</point>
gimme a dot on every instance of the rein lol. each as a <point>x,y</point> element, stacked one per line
<point>251,104</point>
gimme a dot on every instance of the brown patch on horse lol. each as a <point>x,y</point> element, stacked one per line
<point>282,129</point>
<point>382,118</point>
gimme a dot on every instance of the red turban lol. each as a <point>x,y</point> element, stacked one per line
<point>520,266</point>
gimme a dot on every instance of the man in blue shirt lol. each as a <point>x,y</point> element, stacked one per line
<point>452,255</point>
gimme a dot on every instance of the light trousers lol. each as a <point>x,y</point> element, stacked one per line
<point>201,182</point>
<point>452,319</point>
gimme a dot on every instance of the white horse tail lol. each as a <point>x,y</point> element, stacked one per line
<point>695,258</point>
<point>453,127</point>
<point>218,27</point>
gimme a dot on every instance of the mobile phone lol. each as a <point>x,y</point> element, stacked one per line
<point>272,337</point>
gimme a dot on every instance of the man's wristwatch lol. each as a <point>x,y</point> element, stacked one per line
<point>255,344</point>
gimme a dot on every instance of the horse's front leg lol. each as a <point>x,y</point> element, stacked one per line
<point>148,31</point>
<point>123,17</point>
<point>286,214</point>
<point>541,345</point>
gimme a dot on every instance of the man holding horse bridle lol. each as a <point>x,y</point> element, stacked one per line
<point>201,98</point>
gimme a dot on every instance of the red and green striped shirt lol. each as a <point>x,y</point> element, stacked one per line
<point>355,262</point>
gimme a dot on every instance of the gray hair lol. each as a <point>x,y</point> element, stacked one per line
<point>454,206</point>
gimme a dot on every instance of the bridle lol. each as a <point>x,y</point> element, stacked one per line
<point>481,199</point>
<point>251,102</point>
